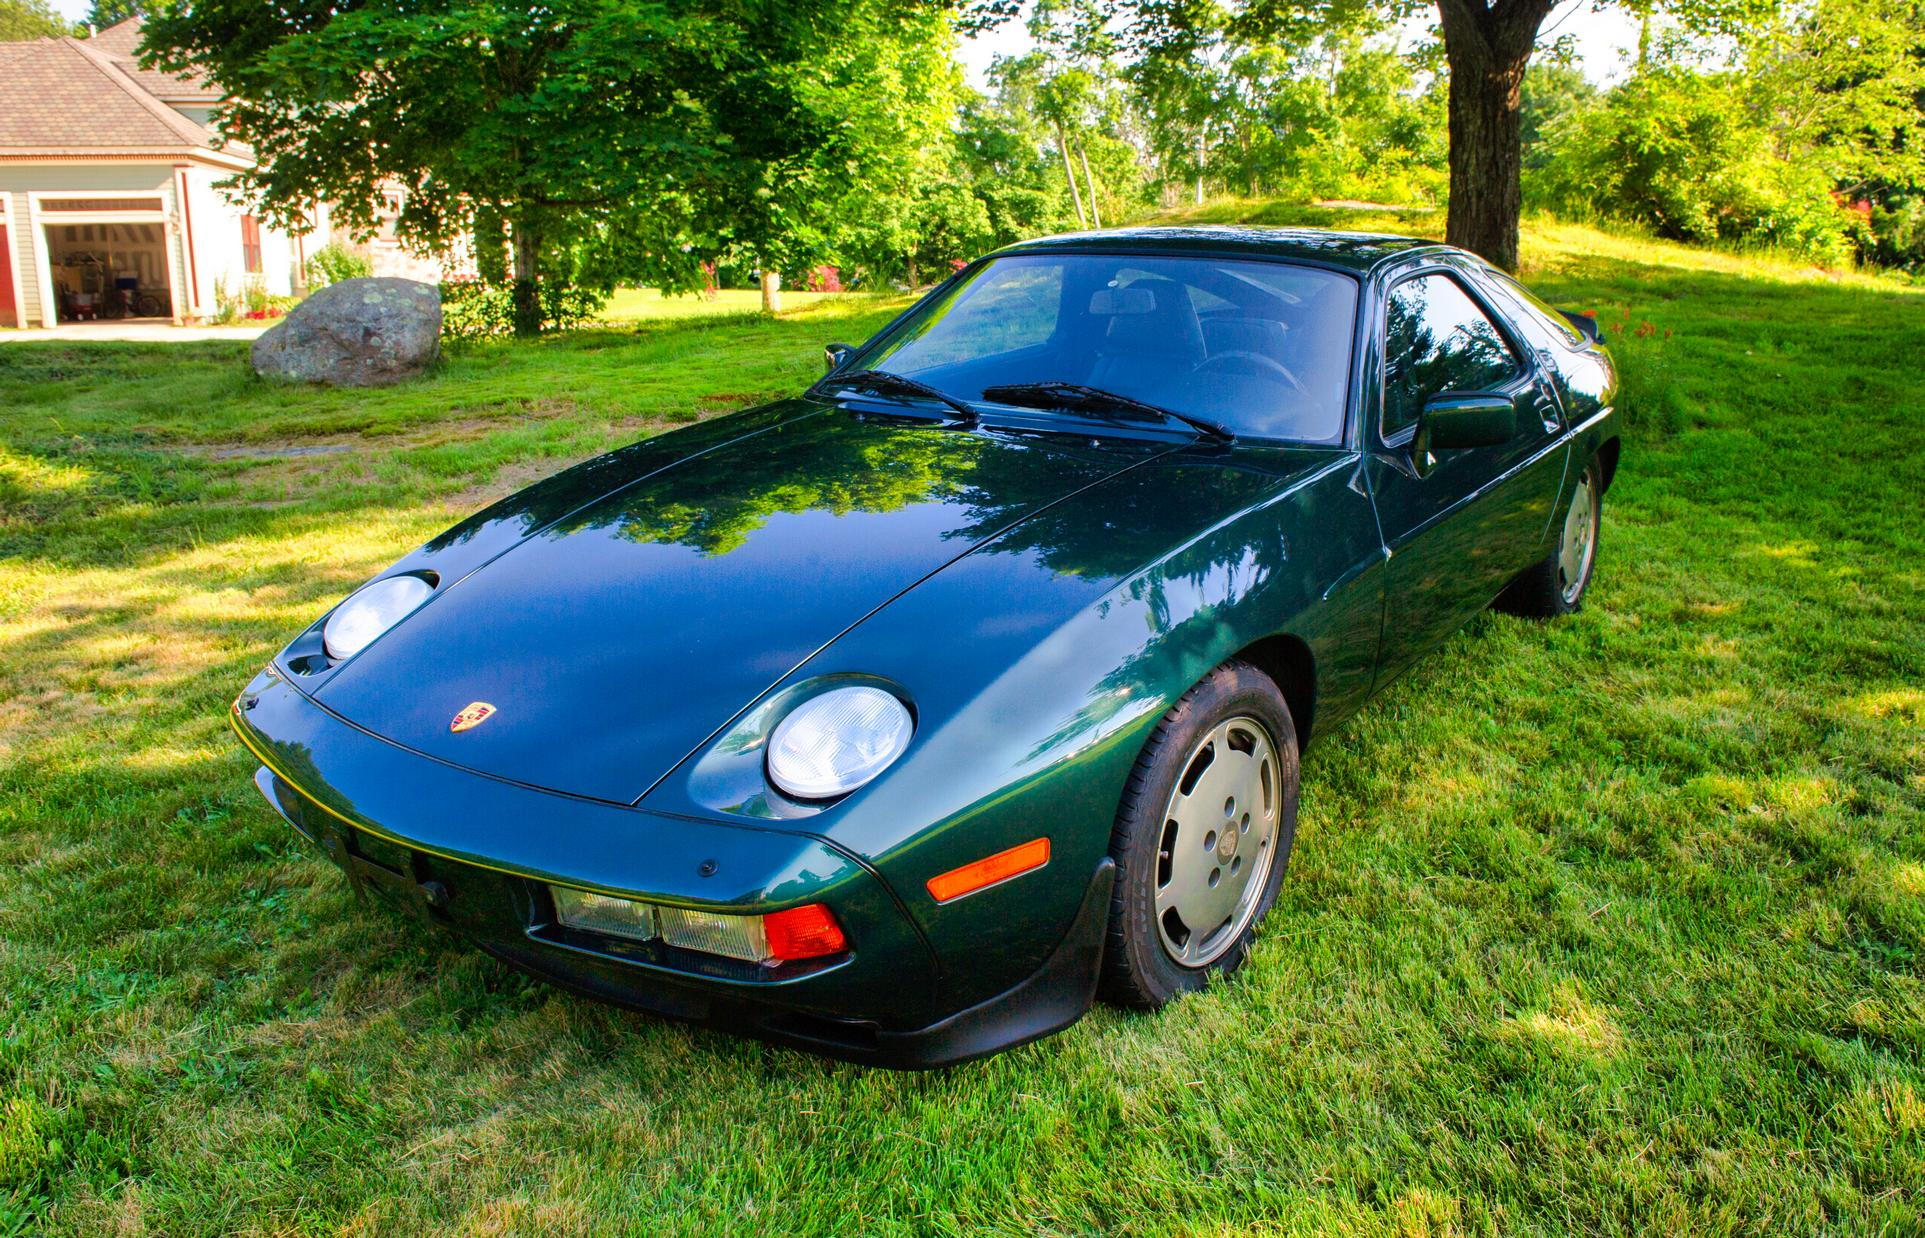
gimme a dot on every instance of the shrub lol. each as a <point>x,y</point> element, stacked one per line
<point>335,262</point>
<point>1896,233</point>
<point>1679,151</point>
<point>472,309</point>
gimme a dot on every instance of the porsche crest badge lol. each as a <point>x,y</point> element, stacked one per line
<point>471,717</point>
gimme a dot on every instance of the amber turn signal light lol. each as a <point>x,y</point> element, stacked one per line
<point>981,874</point>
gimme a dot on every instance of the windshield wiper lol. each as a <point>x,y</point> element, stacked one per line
<point>1095,399</point>
<point>885,383</point>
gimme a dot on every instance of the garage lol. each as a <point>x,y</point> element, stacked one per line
<point>112,262</point>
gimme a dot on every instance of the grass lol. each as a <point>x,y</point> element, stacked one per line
<point>1613,924</point>
<point>639,304</point>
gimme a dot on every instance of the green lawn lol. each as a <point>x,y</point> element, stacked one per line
<point>1611,924</point>
<point>639,304</point>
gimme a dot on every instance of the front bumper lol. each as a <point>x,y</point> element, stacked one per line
<point>476,854</point>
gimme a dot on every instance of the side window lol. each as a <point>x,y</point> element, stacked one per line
<point>1534,307</point>
<point>1436,339</point>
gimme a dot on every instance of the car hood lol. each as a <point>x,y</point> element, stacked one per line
<point>614,639</point>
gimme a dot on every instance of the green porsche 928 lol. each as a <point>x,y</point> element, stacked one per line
<point>901,719</point>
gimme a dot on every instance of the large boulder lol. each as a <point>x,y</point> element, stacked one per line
<point>357,333</point>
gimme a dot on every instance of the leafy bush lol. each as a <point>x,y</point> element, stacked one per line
<point>1679,151</point>
<point>335,262</point>
<point>472,309</point>
<point>1896,234</point>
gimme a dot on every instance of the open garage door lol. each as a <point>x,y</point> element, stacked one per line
<point>109,271</point>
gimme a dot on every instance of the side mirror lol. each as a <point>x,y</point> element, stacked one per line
<point>835,356</point>
<point>1453,421</point>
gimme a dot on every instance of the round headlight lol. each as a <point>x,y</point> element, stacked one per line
<point>833,743</point>
<point>370,611</point>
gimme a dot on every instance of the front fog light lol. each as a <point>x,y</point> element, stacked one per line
<point>737,937</point>
<point>598,913</point>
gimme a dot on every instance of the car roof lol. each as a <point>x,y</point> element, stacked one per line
<point>1356,251</point>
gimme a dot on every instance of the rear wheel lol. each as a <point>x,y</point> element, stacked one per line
<point>1202,838</point>
<point>1555,585</point>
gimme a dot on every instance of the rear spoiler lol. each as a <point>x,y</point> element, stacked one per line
<point>1586,325</point>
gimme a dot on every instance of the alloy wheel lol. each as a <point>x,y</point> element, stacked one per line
<point>1580,540</point>
<point>1218,843</point>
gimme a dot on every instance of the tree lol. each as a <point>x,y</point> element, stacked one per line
<point>105,13</point>
<point>1808,142</point>
<point>1488,44</point>
<point>29,19</point>
<point>1552,91</point>
<point>625,138</point>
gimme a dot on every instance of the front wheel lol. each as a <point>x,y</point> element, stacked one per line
<point>1555,586</point>
<point>1202,838</point>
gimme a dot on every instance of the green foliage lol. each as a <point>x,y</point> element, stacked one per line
<point>30,19</point>
<point>1276,100</point>
<point>105,13</point>
<point>908,212</point>
<point>630,138</point>
<point>1679,150</point>
<point>335,262</point>
<point>1552,91</point>
<point>1822,109</point>
<point>1898,233</point>
<point>472,309</point>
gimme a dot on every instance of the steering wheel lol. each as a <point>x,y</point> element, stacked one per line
<point>1257,361</point>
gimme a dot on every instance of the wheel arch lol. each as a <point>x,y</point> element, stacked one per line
<point>1288,662</point>
<point>1607,459</point>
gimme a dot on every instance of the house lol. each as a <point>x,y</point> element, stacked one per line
<point>109,205</point>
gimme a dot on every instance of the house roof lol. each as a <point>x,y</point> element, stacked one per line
<point>73,97</point>
<point>120,43</point>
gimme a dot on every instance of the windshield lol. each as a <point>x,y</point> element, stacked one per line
<point>1263,348</point>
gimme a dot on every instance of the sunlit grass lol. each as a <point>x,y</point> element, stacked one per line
<point>1612,924</point>
<point>636,304</point>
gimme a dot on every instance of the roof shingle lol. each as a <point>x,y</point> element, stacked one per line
<point>65,96</point>
<point>120,42</point>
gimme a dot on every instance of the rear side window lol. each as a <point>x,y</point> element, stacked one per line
<point>1437,339</point>
<point>1535,308</point>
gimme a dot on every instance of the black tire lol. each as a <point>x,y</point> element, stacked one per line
<point>1139,969</point>
<point>1545,590</point>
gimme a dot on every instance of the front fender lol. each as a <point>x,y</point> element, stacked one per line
<point>1039,663</point>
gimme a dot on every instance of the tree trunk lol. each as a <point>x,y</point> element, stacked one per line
<point>1488,50</point>
<point>527,279</point>
<point>1082,152</point>
<point>912,273</point>
<point>1082,221</point>
<point>771,291</point>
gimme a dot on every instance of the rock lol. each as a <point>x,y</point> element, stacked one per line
<point>357,333</point>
